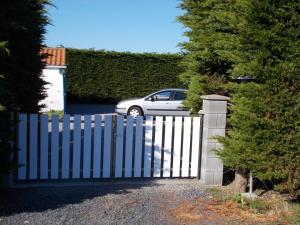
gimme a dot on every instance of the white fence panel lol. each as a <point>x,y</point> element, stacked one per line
<point>97,147</point>
<point>87,138</point>
<point>148,146</point>
<point>177,146</point>
<point>168,146</point>
<point>186,147</point>
<point>33,144</point>
<point>195,146</point>
<point>153,147</point>
<point>44,147</point>
<point>107,146</point>
<point>22,146</point>
<point>129,146</point>
<point>138,147</point>
<point>54,146</point>
<point>158,146</point>
<point>119,147</point>
<point>76,146</point>
<point>65,173</point>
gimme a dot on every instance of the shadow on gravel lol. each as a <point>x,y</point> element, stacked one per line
<point>39,199</point>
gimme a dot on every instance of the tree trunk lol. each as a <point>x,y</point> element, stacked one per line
<point>239,184</point>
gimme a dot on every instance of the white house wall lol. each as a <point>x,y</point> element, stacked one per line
<point>54,89</point>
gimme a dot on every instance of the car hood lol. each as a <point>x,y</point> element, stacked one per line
<point>127,100</point>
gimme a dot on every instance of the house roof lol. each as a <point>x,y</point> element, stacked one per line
<point>56,56</point>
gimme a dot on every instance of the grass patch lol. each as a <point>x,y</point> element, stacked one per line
<point>54,112</point>
<point>294,218</point>
<point>215,192</point>
<point>272,206</point>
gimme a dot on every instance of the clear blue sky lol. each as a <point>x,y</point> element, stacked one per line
<point>118,25</point>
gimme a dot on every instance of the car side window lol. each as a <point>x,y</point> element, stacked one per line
<point>179,95</point>
<point>163,96</point>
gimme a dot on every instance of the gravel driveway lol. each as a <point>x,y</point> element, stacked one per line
<point>148,202</point>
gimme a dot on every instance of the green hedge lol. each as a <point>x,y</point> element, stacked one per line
<point>102,76</point>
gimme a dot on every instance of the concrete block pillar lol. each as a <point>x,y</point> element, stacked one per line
<point>214,110</point>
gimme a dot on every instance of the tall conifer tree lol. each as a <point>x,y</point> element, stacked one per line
<point>213,28</point>
<point>22,29</point>
<point>258,39</point>
<point>265,117</point>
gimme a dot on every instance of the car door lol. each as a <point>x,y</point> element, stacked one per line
<point>176,106</point>
<point>158,103</point>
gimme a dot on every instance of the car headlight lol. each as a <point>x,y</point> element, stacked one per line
<point>120,105</point>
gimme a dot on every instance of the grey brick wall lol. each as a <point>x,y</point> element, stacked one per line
<point>214,110</point>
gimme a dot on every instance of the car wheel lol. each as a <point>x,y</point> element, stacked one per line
<point>135,111</point>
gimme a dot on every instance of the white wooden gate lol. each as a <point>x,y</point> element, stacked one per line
<point>105,146</point>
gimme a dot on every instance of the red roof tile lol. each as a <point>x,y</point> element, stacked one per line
<point>56,56</point>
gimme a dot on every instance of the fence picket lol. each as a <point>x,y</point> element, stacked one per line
<point>54,146</point>
<point>76,146</point>
<point>148,146</point>
<point>195,146</point>
<point>168,146</point>
<point>177,147</point>
<point>22,145</point>
<point>65,173</point>
<point>44,147</point>
<point>87,147</point>
<point>107,146</point>
<point>119,146</point>
<point>138,146</point>
<point>33,142</point>
<point>186,147</point>
<point>158,146</point>
<point>129,145</point>
<point>97,147</point>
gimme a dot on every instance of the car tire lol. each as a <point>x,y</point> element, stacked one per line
<point>135,111</point>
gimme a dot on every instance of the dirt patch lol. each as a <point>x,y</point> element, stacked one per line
<point>132,203</point>
<point>200,211</point>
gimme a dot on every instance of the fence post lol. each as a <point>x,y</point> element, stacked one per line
<point>214,110</point>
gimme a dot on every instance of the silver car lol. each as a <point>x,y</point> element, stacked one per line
<point>164,102</point>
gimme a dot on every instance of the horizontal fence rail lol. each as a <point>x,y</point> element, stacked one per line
<point>106,146</point>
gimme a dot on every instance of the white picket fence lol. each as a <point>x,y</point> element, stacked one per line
<point>98,146</point>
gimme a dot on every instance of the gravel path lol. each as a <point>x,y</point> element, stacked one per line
<point>109,203</point>
<point>160,202</point>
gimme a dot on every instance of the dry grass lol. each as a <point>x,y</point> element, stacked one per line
<point>225,208</point>
<point>227,212</point>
